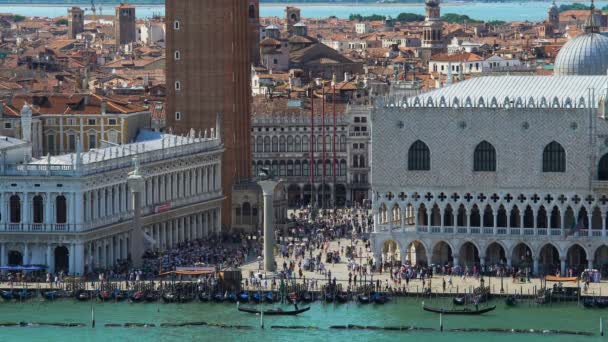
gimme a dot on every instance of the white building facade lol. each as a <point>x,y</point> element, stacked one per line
<point>508,170</point>
<point>74,212</point>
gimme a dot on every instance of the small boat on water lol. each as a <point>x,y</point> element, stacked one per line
<point>342,298</point>
<point>256,297</point>
<point>363,299</point>
<point>595,303</point>
<point>218,297</point>
<point>307,297</point>
<point>82,295</point>
<point>119,295</point>
<point>460,300</point>
<point>151,297</point>
<point>24,295</point>
<point>274,312</point>
<point>380,298</point>
<point>243,297</point>
<point>204,297</point>
<point>7,295</point>
<point>52,295</point>
<point>232,297</point>
<point>464,311</point>
<point>137,297</point>
<point>169,297</point>
<point>105,296</point>
<point>511,301</point>
<point>329,297</point>
<point>269,297</point>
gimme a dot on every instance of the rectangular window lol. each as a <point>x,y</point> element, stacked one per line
<point>8,125</point>
<point>92,122</point>
<point>92,141</point>
<point>178,85</point>
<point>112,122</point>
<point>72,143</point>
<point>50,143</point>
<point>363,120</point>
<point>176,25</point>
<point>357,119</point>
<point>178,116</point>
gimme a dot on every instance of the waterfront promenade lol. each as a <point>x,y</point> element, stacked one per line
<point>459,284</point>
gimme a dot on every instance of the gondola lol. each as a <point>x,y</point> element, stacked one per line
<point>24,295</point>
<point>363,299</point>
<point>598,303</point>
<point>256,297</point>
<point>243,297</point>
<point>169,297</point>
<point>511,301</point>
<point>82,295</point>
<point>218,297</point>
<point>269,297</point>
<point>307,297</point>
<point>232,297</point>
<point>203,297</point>
<point>7,295</point>
<point>342,298</point>
<point>185,298</point>
<point>460,300</point>
<point>151,297</point>
<point>137,297</point>
<point>52,295</point>
<point>274,312</point>
<point>119,295</point>
<point>105,296</point>
<point>465,311</point>
<point>329,297</point>
<point>379,298</point>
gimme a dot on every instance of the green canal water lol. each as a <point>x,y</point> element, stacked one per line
<point>401,312</point>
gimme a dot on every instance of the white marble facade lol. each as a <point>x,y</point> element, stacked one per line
<point>73,212</point>
<point>494,170</point>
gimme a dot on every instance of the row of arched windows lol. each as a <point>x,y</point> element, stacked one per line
<point>297,143</point>
<point>37,209</point>
<point>298,168</point>
<point>484,158</point>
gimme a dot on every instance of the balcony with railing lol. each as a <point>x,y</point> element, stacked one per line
<point>102,222</point>
<point>505,232</point>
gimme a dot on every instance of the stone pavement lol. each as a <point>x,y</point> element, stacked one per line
<point>459,284</point>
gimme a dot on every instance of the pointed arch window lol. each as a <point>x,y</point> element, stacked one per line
<point>554,158</point>
<point>419,157</point>
<point>484,158</point>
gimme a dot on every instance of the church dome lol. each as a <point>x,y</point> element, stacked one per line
<point>586,54</point>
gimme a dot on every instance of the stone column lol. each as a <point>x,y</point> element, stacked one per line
<point>78,249</point>
<point>495,215</point>
<point>268,187</point>
<point>562,262</point>
<point>136,185</point>
<point>456,261</point>
<point>563,221</point>
<point>72,262</point>
<point>590,220</point>
<point>482,261</point>
<point>48,209</point>
<point>25,217</point>
<point>111,258</point>
<point>603,224</point>
<point>535,266</point>
<point>590,264</point>
<point>3,259</point>
<point>50,263</point>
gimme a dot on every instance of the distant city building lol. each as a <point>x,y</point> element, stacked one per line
<point>75,22</point>
<point>124,24</point>
<point>432,30</point>
<point>283,142</point>
<point>292,17</point>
